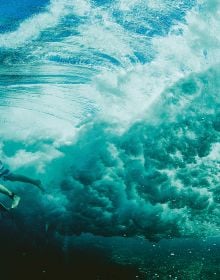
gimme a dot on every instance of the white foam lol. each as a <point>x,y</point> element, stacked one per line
<point>131,91</point>
<point>32,27</point>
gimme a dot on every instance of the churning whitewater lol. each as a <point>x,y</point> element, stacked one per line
<point>115,106</point>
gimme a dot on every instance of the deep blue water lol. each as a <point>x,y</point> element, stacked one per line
<point>114,105</point>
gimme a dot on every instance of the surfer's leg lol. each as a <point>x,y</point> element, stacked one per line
<point>24,179</point>
<point>5,191</point>
<point>15,198</point>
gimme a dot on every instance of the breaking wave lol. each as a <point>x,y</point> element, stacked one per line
<point>115,105</point>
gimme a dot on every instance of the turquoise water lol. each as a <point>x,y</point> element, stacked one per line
<point>115,106</point>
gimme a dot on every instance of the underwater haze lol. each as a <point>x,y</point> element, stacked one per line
<point>115,106</point>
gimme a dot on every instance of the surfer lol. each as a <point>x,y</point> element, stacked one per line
<point>7,175</point>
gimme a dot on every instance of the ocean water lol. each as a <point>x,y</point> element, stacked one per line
<point>114,105</point>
